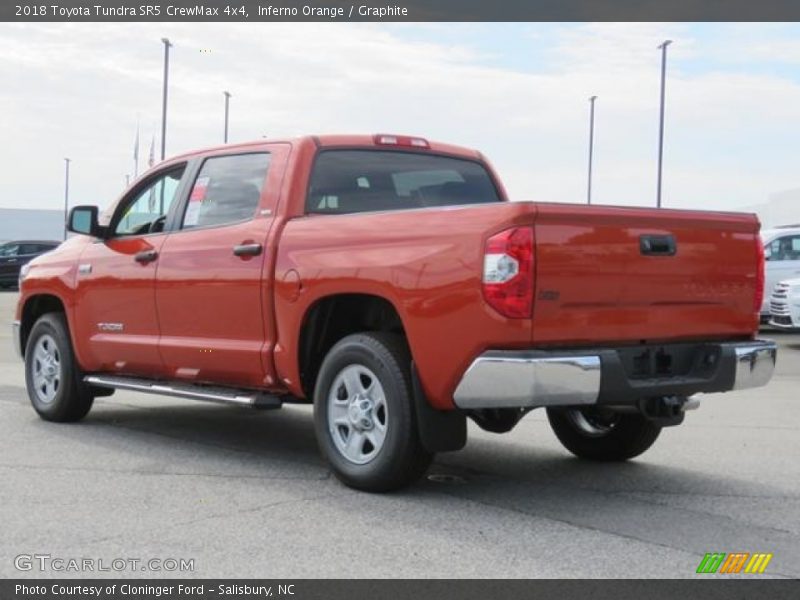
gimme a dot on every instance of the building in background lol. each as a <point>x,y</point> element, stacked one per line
<point>781,208</point>
<point>29,224</point>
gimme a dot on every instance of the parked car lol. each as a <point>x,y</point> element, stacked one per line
<point>390,282</point>
<point>785,305</point>
<point>15,254</point>
<point>782,253</point>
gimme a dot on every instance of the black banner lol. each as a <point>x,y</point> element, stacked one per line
<point>398,10</point>
<point>203,589</point>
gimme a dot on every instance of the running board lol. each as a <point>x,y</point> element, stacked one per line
<point>222,395</point>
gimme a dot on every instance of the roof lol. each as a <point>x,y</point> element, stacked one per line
<point>335,140</point>
<point>778,231</point>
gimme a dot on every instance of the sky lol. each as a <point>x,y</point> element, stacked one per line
<point>517,92</point>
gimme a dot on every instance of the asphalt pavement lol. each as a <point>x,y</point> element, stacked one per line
<point>245,494</point>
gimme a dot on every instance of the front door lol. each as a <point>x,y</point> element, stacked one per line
<point>783,261</point>
<point>115,310</point>
<point>213,301</point>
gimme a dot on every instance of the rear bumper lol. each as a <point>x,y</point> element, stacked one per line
<point>16,340</point>
<point>533,378</point>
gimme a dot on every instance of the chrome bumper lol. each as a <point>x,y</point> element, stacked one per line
<point>755,363</point>
<point>528,379</point>
<point>16,340</point>
<point>511,379</point>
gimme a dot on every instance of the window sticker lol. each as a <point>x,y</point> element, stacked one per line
<point>199,189</point>
<point>196,199</point>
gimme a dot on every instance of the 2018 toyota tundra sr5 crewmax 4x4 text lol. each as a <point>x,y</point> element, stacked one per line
<point>390,282</point>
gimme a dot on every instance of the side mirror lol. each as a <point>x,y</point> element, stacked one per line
<point>83,220</point>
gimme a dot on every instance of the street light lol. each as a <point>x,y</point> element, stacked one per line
<point>591,148</point>
<point>66,194</point>
<point>663,48</point>
<point>167,46</point>
<point>227,103</point>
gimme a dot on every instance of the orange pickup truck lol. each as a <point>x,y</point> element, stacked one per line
<point>388,280</point>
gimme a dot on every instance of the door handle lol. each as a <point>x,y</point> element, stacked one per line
<point>657,245</point>
<point>146,256</point>
<point>247,250</point>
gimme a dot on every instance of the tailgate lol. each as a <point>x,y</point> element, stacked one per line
<point>608,274</point>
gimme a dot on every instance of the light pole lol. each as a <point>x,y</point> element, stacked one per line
<point>66,194</point>
<point>167,46</point>
<point>663,48</point>
<point>591,148</point>
<point>227,104</point>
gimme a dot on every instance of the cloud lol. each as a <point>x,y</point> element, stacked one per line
<point>78,91</point>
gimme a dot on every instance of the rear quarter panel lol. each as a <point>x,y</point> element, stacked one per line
<point>427,263</point>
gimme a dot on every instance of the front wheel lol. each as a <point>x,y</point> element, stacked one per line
<point>364,414</point>
<point>599,434</point>
<point>51,373</point>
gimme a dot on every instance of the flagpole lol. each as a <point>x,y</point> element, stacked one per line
<point>136,152</point>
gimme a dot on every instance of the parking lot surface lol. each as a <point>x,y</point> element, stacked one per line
<point>245,493</point>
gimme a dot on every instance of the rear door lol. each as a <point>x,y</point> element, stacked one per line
<point>30,250</point>
<point>9,263</point>
<point>213,296</point>
<point>115,310</point>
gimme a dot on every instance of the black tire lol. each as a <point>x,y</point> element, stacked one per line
<point>629,435</point>
<point>401,459</point>
<point>71,398</point>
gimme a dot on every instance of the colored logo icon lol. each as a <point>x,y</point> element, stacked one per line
<point>735,562</point>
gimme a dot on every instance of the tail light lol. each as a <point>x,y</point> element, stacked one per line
<point>760,266</point>
<point>508,272</point>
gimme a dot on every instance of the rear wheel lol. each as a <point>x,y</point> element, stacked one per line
<point>599,434</point>
<point>364,415</point>
<point>51,374</point>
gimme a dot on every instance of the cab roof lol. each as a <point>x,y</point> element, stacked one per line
<point>343,140</point>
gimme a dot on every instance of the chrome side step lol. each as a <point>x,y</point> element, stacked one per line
<point>187,390</point>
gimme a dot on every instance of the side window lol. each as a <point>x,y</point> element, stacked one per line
<point>227,190</point>
<point>28,249</point>
<point>784,248</point>
<point>9,250</point>
<point>146,212</point>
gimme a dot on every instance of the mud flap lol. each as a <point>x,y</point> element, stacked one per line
<point>439,430</point>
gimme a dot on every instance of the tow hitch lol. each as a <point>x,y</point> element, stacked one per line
<point>667,411</point>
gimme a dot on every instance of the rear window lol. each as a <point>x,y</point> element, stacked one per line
<point>351,181</point>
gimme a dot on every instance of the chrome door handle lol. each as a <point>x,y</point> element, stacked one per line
<point>146,256</point>
<point>247,250</point>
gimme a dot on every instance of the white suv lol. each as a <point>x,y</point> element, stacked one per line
<point>782,251</point>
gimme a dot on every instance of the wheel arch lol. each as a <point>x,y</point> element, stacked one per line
<point>35,306</point>
<point>332,317</point>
